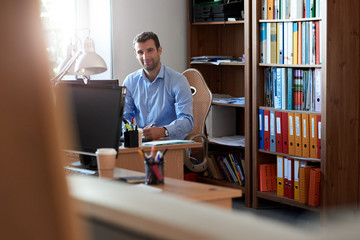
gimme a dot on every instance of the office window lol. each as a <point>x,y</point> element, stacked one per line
<point>67,20</point>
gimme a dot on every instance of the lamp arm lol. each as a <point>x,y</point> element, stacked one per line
<point>68,65</point>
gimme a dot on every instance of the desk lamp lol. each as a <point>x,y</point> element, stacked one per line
<point>84,62</point>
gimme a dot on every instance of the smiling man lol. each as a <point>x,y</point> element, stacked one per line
<point>158,97</point>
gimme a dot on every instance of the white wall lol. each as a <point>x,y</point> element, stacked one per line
<point>96,16</point>
<point>166,18</point>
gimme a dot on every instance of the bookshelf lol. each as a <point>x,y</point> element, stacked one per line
<point>226,38</point>
<point>340,75</point>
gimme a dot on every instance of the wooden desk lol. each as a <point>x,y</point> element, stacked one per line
<point>130,159</point>
<point>197,192</point>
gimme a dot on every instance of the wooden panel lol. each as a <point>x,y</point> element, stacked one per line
<point>212,76</point>
<point>232,40</point>
<point>232,81</point>
<point>341,169</point>
<point>205,40</point>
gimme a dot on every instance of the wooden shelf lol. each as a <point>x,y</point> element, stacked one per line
<point>282,110</point>
<point>219,23</point>
<point>273,197</point>
<point>291,156</point>
<point>340,96</point>
<point>290,20</point>
<point>224,183</point>
<point>220,64</point>
<point>290,65</point>
<point>229,38</point>
<point>228,105</point>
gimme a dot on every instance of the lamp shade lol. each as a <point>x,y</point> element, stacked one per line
<point>89,62</point>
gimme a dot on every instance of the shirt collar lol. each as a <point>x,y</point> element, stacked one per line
<point>160,75</point>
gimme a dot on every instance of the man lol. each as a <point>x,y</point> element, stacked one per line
<point>158,97</point>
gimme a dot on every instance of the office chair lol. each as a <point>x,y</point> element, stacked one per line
<point>202,99</point>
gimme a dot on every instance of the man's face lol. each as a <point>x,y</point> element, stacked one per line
<point>147,54</point>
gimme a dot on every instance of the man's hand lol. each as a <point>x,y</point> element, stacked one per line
<point>154,132</point>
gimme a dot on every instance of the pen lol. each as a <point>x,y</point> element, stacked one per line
<point>151,125</point>
<point>127,125</point>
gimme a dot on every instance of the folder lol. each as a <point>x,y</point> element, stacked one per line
<point>286,176</point>
<point>266,130</point>
<point>279,137</point>
<point>304,177</point>
<point>289,178</point>
<point>285,135</point>
<point>298,135</point>
<point>267,177</point>
<point>270,11</point>
<point>317,89</point>
<point>291,132</point>
<point>272,132</point>
<point>273,42</point>
<point>319,136</point>
<point>296,179</point>
<point>313,135</point>
<point>280,176</point>
<point>263,178</point>
<point>314,187</point>
<point>305,135</point>
<point>263,42</point>
<point>261,129</point>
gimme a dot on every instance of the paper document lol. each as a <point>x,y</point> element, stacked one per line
<point>167,142</point>
<point>238,141</point>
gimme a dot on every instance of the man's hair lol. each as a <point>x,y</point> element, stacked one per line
<point>144,36</point>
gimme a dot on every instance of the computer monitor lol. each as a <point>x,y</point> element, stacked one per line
<point>90,81</point>
<point>96,111</point>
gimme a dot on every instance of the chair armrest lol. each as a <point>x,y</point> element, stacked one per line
<point>203,165</point>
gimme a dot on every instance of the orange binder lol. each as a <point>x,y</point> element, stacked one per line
<point>313,135</point>
<point>296,179</point>
<point>314,187</point>
<point>304,177</point>
<point>305,135</point>
<point>280,176</point>
<point>267,177</point>
<point>298,135</point>
<point>263,178</point>
<point>270,11</point>
<point>291,133</point>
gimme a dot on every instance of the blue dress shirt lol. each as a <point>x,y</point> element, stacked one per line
<point>167,101</point>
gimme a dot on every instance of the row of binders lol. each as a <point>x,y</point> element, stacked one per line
<point>292,133</point>
<point>292,89</point>
<point>290,42</point>
<point>290,9</point>
<point>291,178</point>
<point>228,166</point>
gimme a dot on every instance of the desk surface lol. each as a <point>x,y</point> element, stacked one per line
<point>129,158</point>
<point>199,192</point>
<point>147,148</point>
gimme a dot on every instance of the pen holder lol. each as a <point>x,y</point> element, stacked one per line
<point>131,139</point>
<point>154,173</point>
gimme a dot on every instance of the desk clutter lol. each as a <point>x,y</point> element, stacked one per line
<point>154,166</point>
<point>216,11</point>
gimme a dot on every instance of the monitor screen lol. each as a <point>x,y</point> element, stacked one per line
<point>96,111</point>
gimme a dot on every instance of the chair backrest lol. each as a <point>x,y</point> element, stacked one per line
<point>202,99</point>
